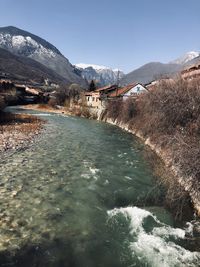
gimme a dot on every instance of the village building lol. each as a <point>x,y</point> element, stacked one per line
<point>191,72</point>
<point>131,90</point>
<point>93,99</point>
<point>98,98</point>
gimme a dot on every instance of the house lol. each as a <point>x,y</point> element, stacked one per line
<point>93,99</point>
<point>191,72</point>
<point>131,90</point>
<point>104,91</point>
<point>96,98</point>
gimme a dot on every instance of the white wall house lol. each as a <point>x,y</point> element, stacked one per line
<point>93,99</point>
<point>131,90</point>
<point>135,91</point>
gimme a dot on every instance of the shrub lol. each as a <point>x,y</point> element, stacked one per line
<point>129,110</point>
<point>114,108</point>
<point>171,106</point>
<point>69,93</point>
<point>52,102</point>
<point>2,103</point>
<point>170,116</point>
<point>122,111</point>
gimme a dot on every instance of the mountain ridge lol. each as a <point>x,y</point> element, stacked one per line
<point>101,74</point>
<point>26,44</point>
<point>26,68</point>
<point>186,58</point>
<point>155,70</point>
<point>17,31</point>
<point>150,72</point>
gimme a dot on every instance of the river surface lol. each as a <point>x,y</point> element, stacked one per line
<point>84,196</point>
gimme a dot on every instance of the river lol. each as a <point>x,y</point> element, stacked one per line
<point>84,196</point>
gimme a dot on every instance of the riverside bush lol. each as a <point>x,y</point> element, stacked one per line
<point>2,103</point>
<point>171,106</point>
<point>169,115</point>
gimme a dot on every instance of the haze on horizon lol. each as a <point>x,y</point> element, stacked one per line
<point>114,33</point>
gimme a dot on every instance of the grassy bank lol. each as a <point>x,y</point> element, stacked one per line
<point>168,118</point>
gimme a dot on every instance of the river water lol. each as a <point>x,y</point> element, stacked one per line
<point>84,196</point>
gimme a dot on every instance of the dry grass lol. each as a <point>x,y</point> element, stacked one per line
<point>169,108</point>
<point>2,103</point>
<point>170,116</point>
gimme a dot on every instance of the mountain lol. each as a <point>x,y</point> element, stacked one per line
<point>150,72</point>
<point>155,70</point>
<point>101,74</point>
<point>26,68</point>
<point>186,58</point>
<point>25,44</point>
<point>194,61</point>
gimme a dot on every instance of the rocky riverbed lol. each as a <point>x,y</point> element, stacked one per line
<point>17,131</point>
<point>84,188</point>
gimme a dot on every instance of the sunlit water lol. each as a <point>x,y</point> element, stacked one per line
<point>83,196</point>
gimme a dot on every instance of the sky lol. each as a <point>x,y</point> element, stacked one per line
<point>122,34</point>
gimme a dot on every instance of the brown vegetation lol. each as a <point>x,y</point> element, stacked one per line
<point>2,103</point>
<point>17,130</point>
<point>170,116</point>
<point>67,93</point>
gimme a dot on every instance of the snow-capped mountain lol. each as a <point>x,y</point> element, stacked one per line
<point>96,67</point>
<point>25,44</point>
<point>186,58</point>
<point>101,74</point>
<point>155,70</point>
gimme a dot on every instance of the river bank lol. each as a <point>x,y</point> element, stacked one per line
<point>177,198</point>
<point>47,108</point>
<point>180,189</point>
<point>177,185</point>
<point>73,195</point>
<point>167,120</point>
<point>17,131</point>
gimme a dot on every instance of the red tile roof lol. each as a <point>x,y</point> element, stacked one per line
<point>106,88</point>
<point>122,91</point>
<point>88,93</point>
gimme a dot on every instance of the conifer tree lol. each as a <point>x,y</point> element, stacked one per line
<point>92,86</point>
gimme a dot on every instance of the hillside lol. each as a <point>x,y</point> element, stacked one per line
<point>155,70</point>
<point>150,72</point>
<point>22,43</point>
<point>101,74</point>
<point>26,68</point>
<point>193,61</point>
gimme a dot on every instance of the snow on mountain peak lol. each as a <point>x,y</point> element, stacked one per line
<point>117,70</point>
<point>24,44</point>
<point>101,74</point>
<point>187,57</point>
<point>96,67</point>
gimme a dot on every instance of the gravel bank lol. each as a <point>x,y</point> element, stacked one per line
<point>17,131</point>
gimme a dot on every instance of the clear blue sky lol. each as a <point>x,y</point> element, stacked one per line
<point>121,34</point>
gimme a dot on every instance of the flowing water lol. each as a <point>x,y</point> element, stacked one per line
<point>83,196</point>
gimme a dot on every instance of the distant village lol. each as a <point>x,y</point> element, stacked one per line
<point>31,92</point>
<point>97,99</point>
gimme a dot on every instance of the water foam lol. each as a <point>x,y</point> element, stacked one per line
<point>156,247</point>
<point>90,171</point>
<point>44,114</point>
